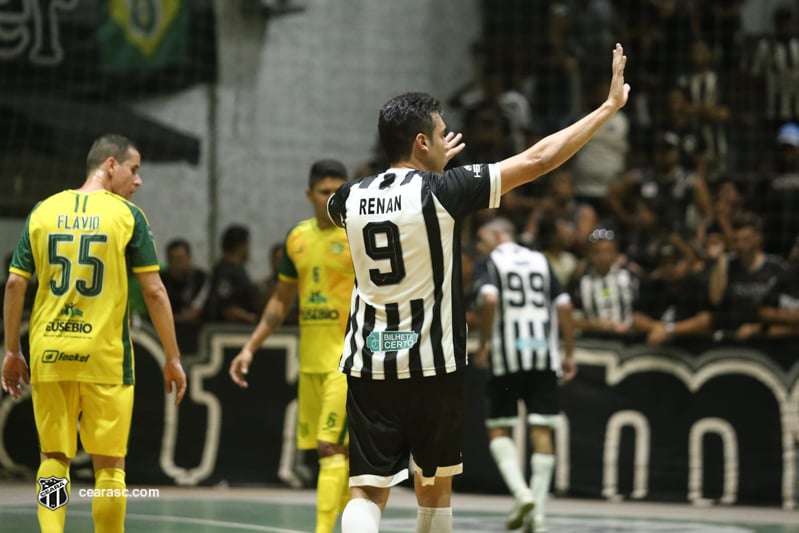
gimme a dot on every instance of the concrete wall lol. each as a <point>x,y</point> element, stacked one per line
<point>293,89</point>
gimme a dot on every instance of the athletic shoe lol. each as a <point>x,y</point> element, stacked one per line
<point>520,510</point>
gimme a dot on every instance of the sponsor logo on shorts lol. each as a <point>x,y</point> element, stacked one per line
<point>53,356</point>
<point>53,492</point>
<point>389,341</point>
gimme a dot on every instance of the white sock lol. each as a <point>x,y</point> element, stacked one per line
<point>434,520</point>
<point>360,516</point>
<point>503,450</point>
<point>542,465</point>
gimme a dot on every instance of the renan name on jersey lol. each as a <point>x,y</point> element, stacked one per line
<point>378,206</point>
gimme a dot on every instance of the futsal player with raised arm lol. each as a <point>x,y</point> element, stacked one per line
<point>81,244</point>
<point>405,346</point>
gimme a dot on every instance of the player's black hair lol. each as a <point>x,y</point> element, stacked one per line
<point>326,168</point>
<point>401,119</point>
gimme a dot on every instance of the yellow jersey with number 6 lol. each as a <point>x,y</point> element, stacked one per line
<point>318,260</point>
<point>81,247</point>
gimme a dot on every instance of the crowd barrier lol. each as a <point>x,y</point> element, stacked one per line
<point>701,422</point>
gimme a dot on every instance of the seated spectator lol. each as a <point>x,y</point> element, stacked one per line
<point>555,236</point>
<point>555,198</point>
<point>232,296</point>
<point>266,286</point>
<point>186,284</point>
<point>673,302</point>
<point>740,281</point>
<point>780,309</point>
<point>606,291</point>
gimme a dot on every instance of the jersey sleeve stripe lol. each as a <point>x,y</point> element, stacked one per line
<point>495,195</point>
<point>148,268</point>
<point>20,272</point>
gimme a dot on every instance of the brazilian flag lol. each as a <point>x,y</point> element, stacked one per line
<point>156,45</point>
<point>143,34</point>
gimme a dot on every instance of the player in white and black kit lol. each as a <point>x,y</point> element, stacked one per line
<point>523,308</point>
<point>406,338</point>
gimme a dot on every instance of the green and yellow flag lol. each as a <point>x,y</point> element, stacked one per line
<point>143,34</point>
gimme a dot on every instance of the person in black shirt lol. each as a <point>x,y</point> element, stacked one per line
<point>673,301</point>
<point>232,296</point>
<point>780,309</point>
<point>740,281</point>
<point>185,283</point>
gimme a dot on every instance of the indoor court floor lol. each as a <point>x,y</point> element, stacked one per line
<point>279,510</point>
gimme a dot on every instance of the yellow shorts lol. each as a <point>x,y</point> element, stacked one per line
<point>104,412</point>
<point>322,409</point>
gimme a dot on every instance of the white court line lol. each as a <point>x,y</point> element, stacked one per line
<point>177,520</point>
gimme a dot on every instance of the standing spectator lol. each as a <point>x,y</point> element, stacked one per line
<point>739,282</point>
<point>773,70</point>
<point>82,366</point>
<point>607,290</point>
<point>779,195</point>
<point>779,311</point>
<point>186,284</point>
<point>705,105</point>
<point>405,347</point>
<point>557,95</point>
<point>659,201</point>
<point>316,267</point>
<point>776,65</point>
<point>232,296</point>
<point>603,159</point>
<point>523,308</point>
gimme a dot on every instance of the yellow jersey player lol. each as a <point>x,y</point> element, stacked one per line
<point>81,244</point>
<point>316,267</point>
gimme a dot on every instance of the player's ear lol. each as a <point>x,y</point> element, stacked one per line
<point>110,165</point>
<point>422,141</point>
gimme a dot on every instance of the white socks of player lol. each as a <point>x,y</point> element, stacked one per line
<point>360,516</point>
<point>503,450</point>
<point>542,465</point>
<point>434,520</point>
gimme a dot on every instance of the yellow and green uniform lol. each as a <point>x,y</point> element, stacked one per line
<point>318,260</point>
<point>81,246</point>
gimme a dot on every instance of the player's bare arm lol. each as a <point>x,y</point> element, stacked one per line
<point>15,369</point>
<point>160,311</point>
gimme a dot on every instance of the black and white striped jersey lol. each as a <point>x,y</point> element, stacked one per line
<point>407,316</point>
<point>609,297</point>
<point>525,331</point>
<point>778,62</point>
